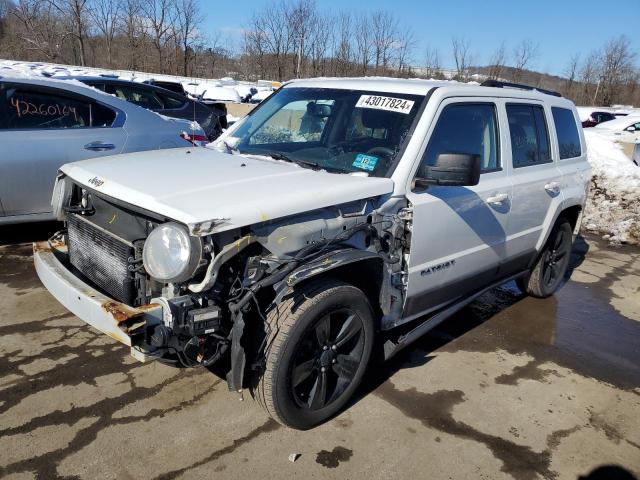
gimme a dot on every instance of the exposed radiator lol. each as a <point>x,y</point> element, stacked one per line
<point>101,257</point>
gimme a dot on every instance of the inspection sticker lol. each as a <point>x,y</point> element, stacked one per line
<point>390,104</point>
<point>365,162</point>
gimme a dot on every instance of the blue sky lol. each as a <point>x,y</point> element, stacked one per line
<point>561,28</point>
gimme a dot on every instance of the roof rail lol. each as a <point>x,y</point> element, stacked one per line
<point>499,84</point>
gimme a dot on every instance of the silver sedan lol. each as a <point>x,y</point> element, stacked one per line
<point>45,123</point>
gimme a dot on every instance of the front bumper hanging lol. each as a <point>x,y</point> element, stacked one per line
<point>113,318</point>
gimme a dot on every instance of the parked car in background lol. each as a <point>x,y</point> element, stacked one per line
<point>45,123</point>
<point>591,118</point>
<point>175,87</point>
<point>636,154</point>
<point>162,101</point>
<point>624,129</point>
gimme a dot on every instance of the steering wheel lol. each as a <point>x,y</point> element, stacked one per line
<point>386,151</point>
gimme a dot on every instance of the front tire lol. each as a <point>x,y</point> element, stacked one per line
<point>319,345</point>
<point>549,271</point>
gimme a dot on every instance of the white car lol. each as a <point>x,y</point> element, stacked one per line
<point>624,129</point>
<point>338,211</point>
<point>46,123</point>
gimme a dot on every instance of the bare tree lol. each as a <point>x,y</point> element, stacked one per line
<point>40,30</point>
<point>270,37</point>
<point>571,74</point>
<point>343,49</point>
<point>189,20</point>
<point>105,15</point>
<point>158,17</point>
<point>384,28</point>
<point>523,53</point>
<point>497,62</point>
<point>133,30</point>
<point>301,18</point>
<point>461,56</point>
<point>589,77</point>
<point>75,13</point>
<point>5,7</point>
<point>433,68</point>
<point>320,37</point>
<point>363,43</point>
<point>617,67</point>
<point>404,45</point>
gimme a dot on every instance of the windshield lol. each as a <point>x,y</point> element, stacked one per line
<point>337,130</point>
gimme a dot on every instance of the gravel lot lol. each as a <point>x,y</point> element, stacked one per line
<point>510,387</point>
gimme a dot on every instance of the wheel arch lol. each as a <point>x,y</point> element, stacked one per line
<point>572,214</point>
<point>360,268</point>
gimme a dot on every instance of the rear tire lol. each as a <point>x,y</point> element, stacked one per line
<point>549,271</point>
<point>318,348</point>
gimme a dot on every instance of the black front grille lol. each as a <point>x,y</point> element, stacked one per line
<point>101,257</point>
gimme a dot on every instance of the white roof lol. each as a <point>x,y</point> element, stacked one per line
<point>619,123</point>
<point>381,84</point>
<point>416,86</point>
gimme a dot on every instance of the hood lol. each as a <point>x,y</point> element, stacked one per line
<point>212,192</point>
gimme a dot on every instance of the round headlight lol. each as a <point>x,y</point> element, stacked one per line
<point>170,254</point>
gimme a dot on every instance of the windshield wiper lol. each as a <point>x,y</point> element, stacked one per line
<point>282,156</point>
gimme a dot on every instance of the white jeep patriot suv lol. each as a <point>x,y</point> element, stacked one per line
<point>336,211</point>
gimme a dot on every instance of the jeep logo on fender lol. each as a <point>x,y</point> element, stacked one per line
<point>437,268</point>
<point>95,181</point>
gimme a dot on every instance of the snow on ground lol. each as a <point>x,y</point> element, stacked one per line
<point>613,205</point>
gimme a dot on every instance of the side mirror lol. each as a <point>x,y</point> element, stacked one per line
<point>631,129</point>
<point>451,169</point>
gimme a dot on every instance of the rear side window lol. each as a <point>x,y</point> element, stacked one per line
<point>171,101</point>
<point>567,131</point>
<point>33,108</point>
<point>602,117</point>
<point>143,98</point>
<point>529,137</point>
<point>466,128</point>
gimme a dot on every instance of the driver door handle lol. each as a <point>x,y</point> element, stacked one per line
<point>498,199</point>
<point>99,146</point>
<point>552,187</point>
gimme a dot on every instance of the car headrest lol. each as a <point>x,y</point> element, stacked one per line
<point>517,133</point>
<point>319,109</point>
<point>372,118</point>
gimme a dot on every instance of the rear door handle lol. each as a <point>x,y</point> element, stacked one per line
<point>498,199</point>
<point>552,187</point>
<point>99,146</point>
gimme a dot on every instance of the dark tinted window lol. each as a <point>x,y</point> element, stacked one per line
<point>173,86</point>
<point>466,128</point>
<point>529,137</point>
<point>603,117</point>
<point>99,86</point>
<point>567,131</point>
<point>139,96</point>
<point>172,101</point>
<point>31,107</point>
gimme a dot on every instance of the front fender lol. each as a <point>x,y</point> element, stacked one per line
<point>327,262</point>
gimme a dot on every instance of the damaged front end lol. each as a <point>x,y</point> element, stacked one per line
<point>211,300</point>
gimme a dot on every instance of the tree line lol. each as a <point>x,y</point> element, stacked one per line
<point>287,39</point>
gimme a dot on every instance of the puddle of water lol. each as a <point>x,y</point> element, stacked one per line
<point>576,328</point>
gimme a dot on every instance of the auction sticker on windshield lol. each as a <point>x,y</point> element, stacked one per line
<point>390,104</point>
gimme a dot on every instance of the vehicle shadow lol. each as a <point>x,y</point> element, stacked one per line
<point>578,254</point>
<point>467,319</point>
<point>27,232</point>
<point>609,472</point>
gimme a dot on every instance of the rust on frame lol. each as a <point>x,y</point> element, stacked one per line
<point>41,247</point>
<point>121,312</point>
<point>49,246</point>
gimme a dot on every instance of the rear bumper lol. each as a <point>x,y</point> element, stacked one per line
<point>113,318</point>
